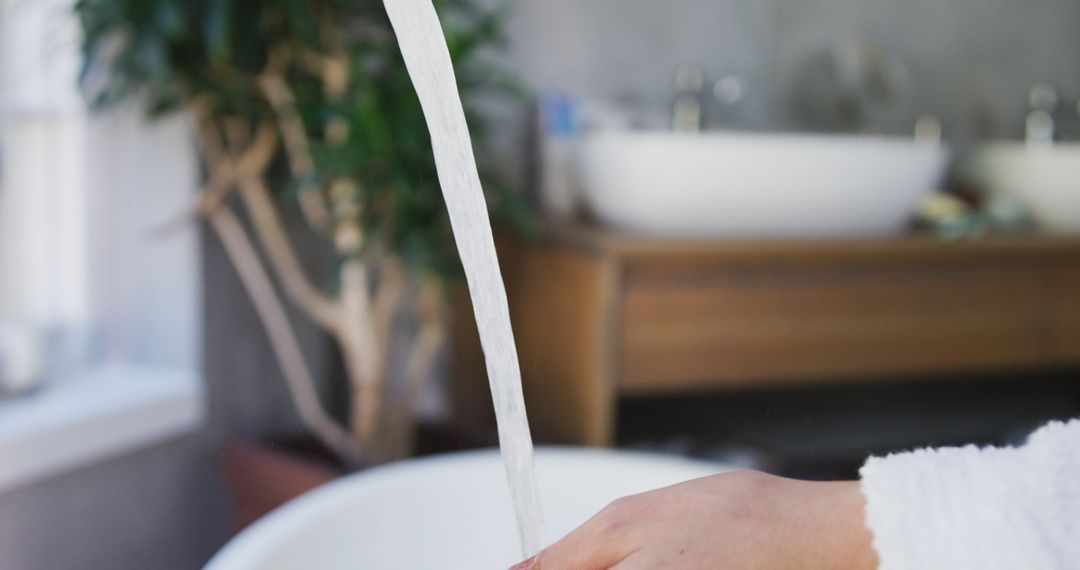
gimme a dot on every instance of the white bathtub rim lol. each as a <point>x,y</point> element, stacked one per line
<point>282,523</point>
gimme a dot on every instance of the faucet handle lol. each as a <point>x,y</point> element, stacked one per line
<point>1042,97</point>
<point>688,80</point>
<point>731,89</point>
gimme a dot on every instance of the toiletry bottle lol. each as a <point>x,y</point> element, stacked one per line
<point>686,111</point>
<point>558,138</point>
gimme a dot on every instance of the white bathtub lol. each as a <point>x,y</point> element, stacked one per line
<point>446,512</point>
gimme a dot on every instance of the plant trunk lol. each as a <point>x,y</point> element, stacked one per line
<point>383,420</point>
<point>362,351</point>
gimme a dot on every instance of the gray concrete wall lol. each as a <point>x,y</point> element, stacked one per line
<point>972,61</point>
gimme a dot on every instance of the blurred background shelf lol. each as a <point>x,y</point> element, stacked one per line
<point>643,317</point>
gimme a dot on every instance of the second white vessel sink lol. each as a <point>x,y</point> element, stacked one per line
<point>1045,179</point>
<point>757,185</point>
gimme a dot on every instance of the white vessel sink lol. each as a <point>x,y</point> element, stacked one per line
<point>1045,179</point>
<point>757,185</point>
<point>449,512</point>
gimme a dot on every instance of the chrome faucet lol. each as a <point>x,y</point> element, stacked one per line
<point>686,113</point>
<point>1039,125</point>
<point>866,78</point>
<point>731,90</point>
<point>928,129</point>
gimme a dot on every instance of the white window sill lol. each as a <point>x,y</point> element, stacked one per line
<point>102,413</point>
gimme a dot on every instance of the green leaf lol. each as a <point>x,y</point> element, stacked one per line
<point>217,29</point>
<point>170,19</point>
<point>173,52</point>
<point>302,20</point>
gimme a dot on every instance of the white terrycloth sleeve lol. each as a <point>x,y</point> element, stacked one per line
<point>978,509</point>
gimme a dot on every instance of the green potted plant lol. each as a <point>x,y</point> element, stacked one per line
<point>309,100</point>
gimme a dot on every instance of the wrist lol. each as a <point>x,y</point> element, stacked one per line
<point>851,541</point>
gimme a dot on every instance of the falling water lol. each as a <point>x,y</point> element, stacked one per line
<point>428,60</point>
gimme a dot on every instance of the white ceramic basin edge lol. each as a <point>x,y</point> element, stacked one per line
<point>720,184</point>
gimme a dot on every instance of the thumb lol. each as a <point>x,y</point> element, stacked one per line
<point>598,544</point>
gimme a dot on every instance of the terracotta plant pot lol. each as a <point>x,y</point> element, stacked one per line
<point>263,475</point>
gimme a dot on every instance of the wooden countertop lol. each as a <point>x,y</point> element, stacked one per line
<point>913,247</point>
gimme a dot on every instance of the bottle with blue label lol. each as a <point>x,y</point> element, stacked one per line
<point>558,140</point>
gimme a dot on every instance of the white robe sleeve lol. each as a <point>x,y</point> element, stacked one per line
<point>978,509</point>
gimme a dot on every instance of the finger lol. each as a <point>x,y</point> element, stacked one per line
<point>530,564</point>
<point>598,544</point>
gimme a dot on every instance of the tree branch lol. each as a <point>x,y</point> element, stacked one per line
<point>275,242</point>
<point>284,343</point>
<point>297,148</point>
<point>431,312</point>
<point>223,172</point>
<point>388,298</point>
<point>398,432</point>
<point>248,171</point>
<point>362,350</point>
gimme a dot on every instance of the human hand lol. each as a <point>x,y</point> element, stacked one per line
<point>737,520</point>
